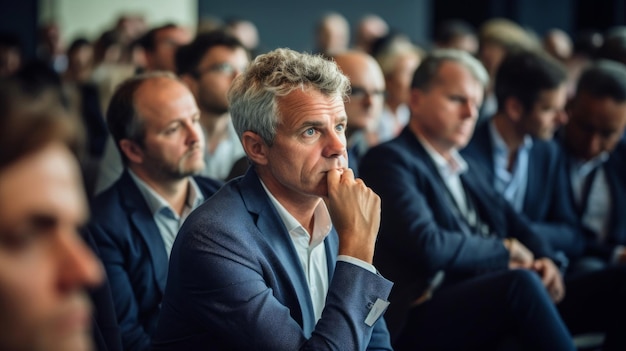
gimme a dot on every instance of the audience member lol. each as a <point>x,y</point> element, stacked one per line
<point>497,38</point>
<point>370,28</point>
<point>558,44</point>
<point>154,121</point>
<point>597,163</point>
<point>456,34</point>
<point>515,152</point>
<point>332,34</point>
<point>45,268</point>
<point>256,266</point>
<point>443,229</point>
<point>10,54</point>
<point>398,62</point>
<point>247,33</point>
<point>208,66</point>
<point>160,45</point>
<point>364,105</point>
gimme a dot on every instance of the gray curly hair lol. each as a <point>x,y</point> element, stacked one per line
<point>252,96</point>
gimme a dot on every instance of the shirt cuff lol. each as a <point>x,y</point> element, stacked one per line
<point>617,252</point>
<point>357,262</point>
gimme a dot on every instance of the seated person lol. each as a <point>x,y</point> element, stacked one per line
<point>45,267</point>
<point>514,149</point>
<point>280,259</point>
<point>442,226</point>
<point>154,120</point>
<point>596,163</point>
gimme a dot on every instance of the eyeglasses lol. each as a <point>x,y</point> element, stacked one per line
<point>224,68</point>
<point>360,93</point>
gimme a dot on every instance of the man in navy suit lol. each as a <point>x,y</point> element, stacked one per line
<point>514,149</point>
<point>469,273</point>
<point>515,152</point>
<point>596,163</point>
<point>280,259</point>
<point>154,121</point>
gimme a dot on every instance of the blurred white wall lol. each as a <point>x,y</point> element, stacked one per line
<point>90,18</point>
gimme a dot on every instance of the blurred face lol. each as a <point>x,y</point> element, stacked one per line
<point>445,114</point>
<point>216,72</point>
<point>173,145</point>
<point>399,82</point>
<point>166,42</point>
<point>44,265</point>
<point>595,125</point>
<point>491,55</point>
<point>309,142</point>
<point>547,114</point>
<point>368,90</point>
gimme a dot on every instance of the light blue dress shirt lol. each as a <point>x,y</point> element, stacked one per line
<point>166,219</point>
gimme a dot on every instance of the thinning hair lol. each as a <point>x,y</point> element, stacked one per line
<point>123,119</point>
<point>524,75</point>
<point>604,78</point>
<point>428,70</point>
<point>253,94</point>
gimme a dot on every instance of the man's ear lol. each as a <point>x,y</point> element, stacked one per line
<point>415,98</point>
<point>255,147</point>
<point>513,108</point>
<point>132,150</point>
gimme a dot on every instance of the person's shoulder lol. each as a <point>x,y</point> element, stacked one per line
<point>208,185</point>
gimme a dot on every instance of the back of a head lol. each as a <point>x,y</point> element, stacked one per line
<point>604,78</point>
<point>253,94</point>
<point>332,33</point>
<point>188,57</point>
<point>525,74</point>
<point>614,45</point>
<point>428,69</point>
<point>450,31</point>
<point>148,40</point>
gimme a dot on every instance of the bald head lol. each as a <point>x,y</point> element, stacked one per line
<point>368,86</point>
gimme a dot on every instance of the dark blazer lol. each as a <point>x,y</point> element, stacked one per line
<point>547,203</point>
<point>615,170</point>
<point>236,283</point>
<point>421,230</point>
<point>105,330</point>
<point>134,256</point>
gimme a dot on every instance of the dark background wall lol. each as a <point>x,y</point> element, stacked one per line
<point>291,23</point>
<point>288,23</point>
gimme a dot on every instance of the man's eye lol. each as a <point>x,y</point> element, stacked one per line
<point>340,127</point>
<point>309,132</point>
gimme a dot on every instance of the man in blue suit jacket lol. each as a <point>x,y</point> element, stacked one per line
<point>280,259</point>
<point>443,228</point>
<point>514,149</point>
<point>154,120</point>
<point>596,162</point>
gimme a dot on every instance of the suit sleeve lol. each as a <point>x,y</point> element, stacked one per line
<point>134,337</point>
<point>410,227</point>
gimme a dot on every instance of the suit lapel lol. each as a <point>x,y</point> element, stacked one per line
<point>145,226</point>
<point>273,230</point>
<point>532,198</point>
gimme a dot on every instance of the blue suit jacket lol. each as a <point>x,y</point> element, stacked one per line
<point>421,230</point>
<point>615,170</point>
<point>236,283</point>
<point>547,203</point>
<point>134,256</point>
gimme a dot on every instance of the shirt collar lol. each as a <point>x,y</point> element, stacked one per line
<point>156,202</point>
<point>500,147</point>
<point>585,167</point>
<point>455,167</point>
<point>321,222</point>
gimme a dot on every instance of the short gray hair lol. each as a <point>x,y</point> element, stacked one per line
<point>429,68</point>
<point>252,96</point>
